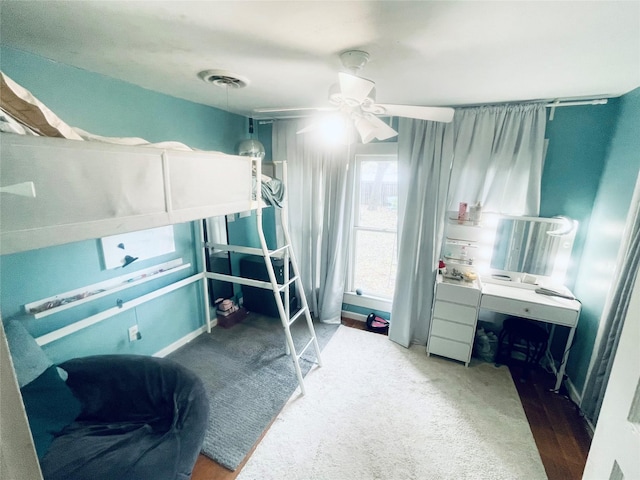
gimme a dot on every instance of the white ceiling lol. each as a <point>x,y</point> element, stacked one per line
<point>444,53</point>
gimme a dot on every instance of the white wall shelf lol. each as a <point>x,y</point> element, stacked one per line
<point>58,303</point>
<point>99,317</point>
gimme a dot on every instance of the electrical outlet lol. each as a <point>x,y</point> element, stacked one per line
<point>134,334</point>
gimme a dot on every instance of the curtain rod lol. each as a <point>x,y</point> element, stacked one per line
<point>557,103</point>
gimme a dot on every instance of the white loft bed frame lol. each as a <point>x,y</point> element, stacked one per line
<point>85,190</point>
<point>56,191</point>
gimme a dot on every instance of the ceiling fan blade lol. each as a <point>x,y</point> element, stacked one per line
<point>382,130</point>
<point>354,88</point>
<point>436,114</point>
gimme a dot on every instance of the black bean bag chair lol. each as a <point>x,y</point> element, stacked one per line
<point>140,418</point>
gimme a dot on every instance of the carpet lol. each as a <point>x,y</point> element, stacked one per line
<point>248,379</point>
<point>376,410</point>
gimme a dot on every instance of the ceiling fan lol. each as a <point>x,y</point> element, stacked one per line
<point>355,98</point>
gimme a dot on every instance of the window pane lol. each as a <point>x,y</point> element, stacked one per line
<point>378,194</point>
<point>375,263</point>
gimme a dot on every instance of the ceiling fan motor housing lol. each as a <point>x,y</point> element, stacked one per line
<point>354,60</point>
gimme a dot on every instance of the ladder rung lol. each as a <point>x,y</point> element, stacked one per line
<point>278,251</point>
<point>305,348</point>
<point>246,250</point>
<point>240,280</point>
<point>297,315</point>
<point>284,285</point>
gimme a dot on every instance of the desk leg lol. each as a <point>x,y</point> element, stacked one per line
<point>564,359</point>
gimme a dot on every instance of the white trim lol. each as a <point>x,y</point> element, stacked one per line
<point>354,316</point>
<point>108,287</point>
<point>573,392</point>
<point>183,341</point>
<point>577,399</point>
<point>374,303</point>
<point>376,149</point>
<point>122,307</point>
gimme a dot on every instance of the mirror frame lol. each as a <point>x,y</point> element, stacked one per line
<point>563,256</point>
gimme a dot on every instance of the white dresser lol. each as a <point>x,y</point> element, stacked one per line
<point>453,323</point>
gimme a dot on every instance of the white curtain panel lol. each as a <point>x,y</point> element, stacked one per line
<point>489,154</point>
<point>499,158</point>
<point>425,154</point>
<point>320,205</point>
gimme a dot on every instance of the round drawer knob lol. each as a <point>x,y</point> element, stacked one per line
<point>526,310</point>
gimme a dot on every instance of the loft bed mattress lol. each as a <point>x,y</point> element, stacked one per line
<point>87,190</point>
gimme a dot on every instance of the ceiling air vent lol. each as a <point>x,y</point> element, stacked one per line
<point>223,78</point>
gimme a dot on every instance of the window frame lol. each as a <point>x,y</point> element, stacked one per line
<point>379,149</point>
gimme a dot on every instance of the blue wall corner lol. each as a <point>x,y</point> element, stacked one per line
<point>603,240</point>
<point>579,139</point>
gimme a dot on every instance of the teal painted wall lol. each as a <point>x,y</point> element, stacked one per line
<point>110,107</point>
<point>578,140</point>
<point>105,106</point>
<point>603,239</point>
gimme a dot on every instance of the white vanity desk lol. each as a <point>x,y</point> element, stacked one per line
<point>457,305</point>
<point>526,303</point>
<point>519,248</point>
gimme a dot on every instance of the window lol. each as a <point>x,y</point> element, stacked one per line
<point>374,249</point>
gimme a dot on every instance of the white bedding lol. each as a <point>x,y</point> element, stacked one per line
<point>22,113</point>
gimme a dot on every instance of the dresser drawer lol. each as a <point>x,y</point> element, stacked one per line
<point>455,312</point>
<point>449,349</point>
<point>458,294</point>
<point>452,330</point>
<point>520,308</point>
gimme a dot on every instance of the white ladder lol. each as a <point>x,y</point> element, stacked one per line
<point>286,253</point>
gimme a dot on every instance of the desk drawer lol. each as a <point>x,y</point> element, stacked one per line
<point>519,308</point>
<point>458,294</point>
<point>452,330</point>
<point>455,312</point>
<point>449,349</point>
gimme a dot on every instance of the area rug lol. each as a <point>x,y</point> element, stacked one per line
<point>248,379</point>
<point>376,410</point>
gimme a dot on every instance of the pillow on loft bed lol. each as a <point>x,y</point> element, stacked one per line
<point>27,111</point>
<point>48,401</point>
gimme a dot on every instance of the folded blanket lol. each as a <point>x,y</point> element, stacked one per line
<point>272,191</point>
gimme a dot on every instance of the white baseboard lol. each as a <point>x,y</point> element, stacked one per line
<point>354,316</point>
<point>179,343</point>
<point>577,399</point>
<point>573,392</point>
<point>366,301</point>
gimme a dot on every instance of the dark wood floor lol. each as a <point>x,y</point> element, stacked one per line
<point>559,431</point>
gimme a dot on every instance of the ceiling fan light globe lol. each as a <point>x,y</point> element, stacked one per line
<point>365,128</point>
